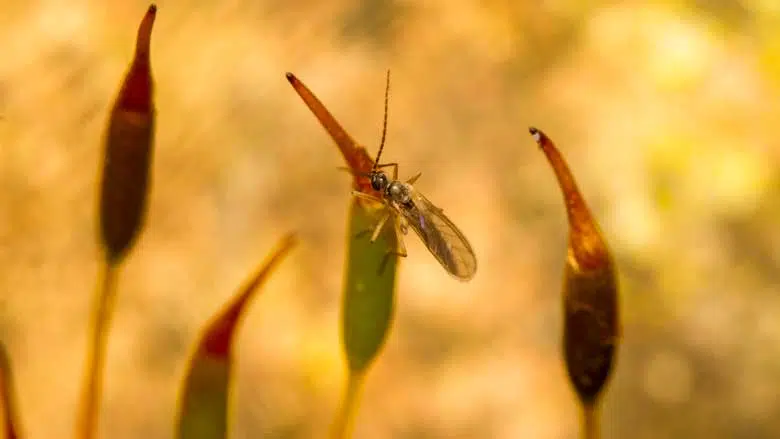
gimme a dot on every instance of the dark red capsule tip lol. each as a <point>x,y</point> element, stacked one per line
<point>538,136</point>
<point>143,40</point>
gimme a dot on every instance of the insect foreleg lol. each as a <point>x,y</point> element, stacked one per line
<point>365,196</point>
<point>388,165</point>
<point>362,233</point>
<point>351,171</point>
<point>413,179</point>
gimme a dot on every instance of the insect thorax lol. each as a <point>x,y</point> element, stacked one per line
<point>398,192</point>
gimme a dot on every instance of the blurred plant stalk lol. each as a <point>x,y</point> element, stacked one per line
<point>123,197</point>
<point>590,296</point>
<point>369,282</point>
<point>10,415</point>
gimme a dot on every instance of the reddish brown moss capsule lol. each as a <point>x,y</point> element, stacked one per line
<point>590,294</point>
<point>203,407</point>
<point>356,156</point>
<point>128,152</point>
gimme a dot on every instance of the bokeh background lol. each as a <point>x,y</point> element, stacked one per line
<point>667,112</point>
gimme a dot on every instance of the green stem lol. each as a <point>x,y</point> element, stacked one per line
<point>96,352</point>
<point>344,422</point>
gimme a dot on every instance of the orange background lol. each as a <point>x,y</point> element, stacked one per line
<point>666,111</point>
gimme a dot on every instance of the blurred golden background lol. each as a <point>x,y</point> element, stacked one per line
<point>666,112</point>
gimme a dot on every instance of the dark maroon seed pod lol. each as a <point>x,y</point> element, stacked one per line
<point>590,294</point>
<point>128,152</point>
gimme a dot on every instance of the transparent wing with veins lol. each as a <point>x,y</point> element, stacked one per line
<point>440,235</point>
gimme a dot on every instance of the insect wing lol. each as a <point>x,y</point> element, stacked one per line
<point>440,235</point>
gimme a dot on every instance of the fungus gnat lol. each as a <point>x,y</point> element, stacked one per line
<point>409,208</point>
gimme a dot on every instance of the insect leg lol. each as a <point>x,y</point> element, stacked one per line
<point>379,226</point>
<point>402,225</point>
<point>368,197</point>
<point>401,251</point>
<point>388,165</point>
<point>413,179</point>
<point>362,233</point>
<point>401,245</point>
<point>365,196</point>
<point>375,230</point>
<point>352,171</point>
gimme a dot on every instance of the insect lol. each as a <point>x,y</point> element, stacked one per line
<point>409,208</point>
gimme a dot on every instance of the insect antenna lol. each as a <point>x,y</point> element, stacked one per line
<point>384,124</point>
